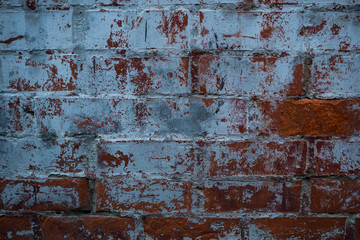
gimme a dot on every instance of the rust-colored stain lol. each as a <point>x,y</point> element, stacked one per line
<point>173,25</point>
<point>311,30</point>
<point>10,40</point>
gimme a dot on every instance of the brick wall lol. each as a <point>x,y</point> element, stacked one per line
<point>172,119</point>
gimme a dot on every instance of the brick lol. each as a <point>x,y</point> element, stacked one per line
<point>194,228</point>
<point>142,76</point>
<point>229,30</point>
<point>16,114</point>
<point>309,117</point>
<point>76,227</point>
<point>297,228</point>
<point>251,76</point>
<point>175,2</point>
<point>40,158</point>
<point>252,196</point>
<point>146,157</point>
<point>336,3</point>
<point>130,117</point>
<point>233,158</point>
<point>328,31</point>
<point>48,30</point>
<point>39,73</point>
<point>145,196</point>
<point>337,157</point>
<point>44,195</point>
<point>130,29</point>
<point>335,196</point>
<point>357,229</point>
<point>336,76</point>
<point>36,4</point>
<point>15,228</point>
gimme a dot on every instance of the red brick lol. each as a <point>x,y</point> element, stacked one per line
<point>337,157</point>
<point>257,158</point>
<point>39,73</point>
<point>252,196</point>
<point>194,228</point>
<point>93,227</point>
<point>44,195</point>
<point>335,196</point>
<point>309,117</point>
<point>252,76</point>
<point>15,228</point>
<point>147,157</point>
<point>142,75</point>
<point>145,196</point>
<point>298,228</point>
<point>357,229</point>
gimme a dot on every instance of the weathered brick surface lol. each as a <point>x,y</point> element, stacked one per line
<point>43,157</point>
<point>199,228</point>
<point>143,196</point>
<point>88,228</point>
<point>251,76</point>
<point>248,196</point>
<point>142,76</point>
<point>337,158</point>
<point>15,228</point>
<point>257,158</point>
<point>298,228</point>
<point>147,157</point>
<point>39,73</point>
<point>44,195</point>
<point>335,196</point>
<point>179,119</point>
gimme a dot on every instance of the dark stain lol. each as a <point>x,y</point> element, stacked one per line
<point>10,40</point>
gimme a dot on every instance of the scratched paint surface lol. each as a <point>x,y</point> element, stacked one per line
<point>179,119</point>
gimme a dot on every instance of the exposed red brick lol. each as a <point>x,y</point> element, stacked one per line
<point>335,196</point>
<point>252,197</point>
<point>194,228</point>
<point>309,117</point>
<point>93,227</point>
<point>298,228</point>
<point>151,196</point>
<point>44,195</point>
<point>15,228</point>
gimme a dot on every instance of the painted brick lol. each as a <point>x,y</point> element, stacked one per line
<point>233,158</point>
<point>39,73</point>
<point>131,117</point>
<point>336,31</point>
<point>194,228</point>
<point>142,75</point>
<point>230,30</point>
<point>252,196</point>
<point>93,227</point>
<point>337,157</point>
<point>297,228</point>
<point>335,196</point>
<point>131,29</point>
<point>336,3</point>
<point>44,195</point>
<point>16,114</point>
<point>253,76</point>
<point>46,30</point>
<point>336,76</point>
<point>15,228</point>
<point>148,157</point>
<point>40,158</point>
<point>173,2</point>
<point>35,4</point>
<point>145,196</point>
<point>309,117</point>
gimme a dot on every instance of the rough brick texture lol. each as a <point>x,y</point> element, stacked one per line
<point>179,119</point>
